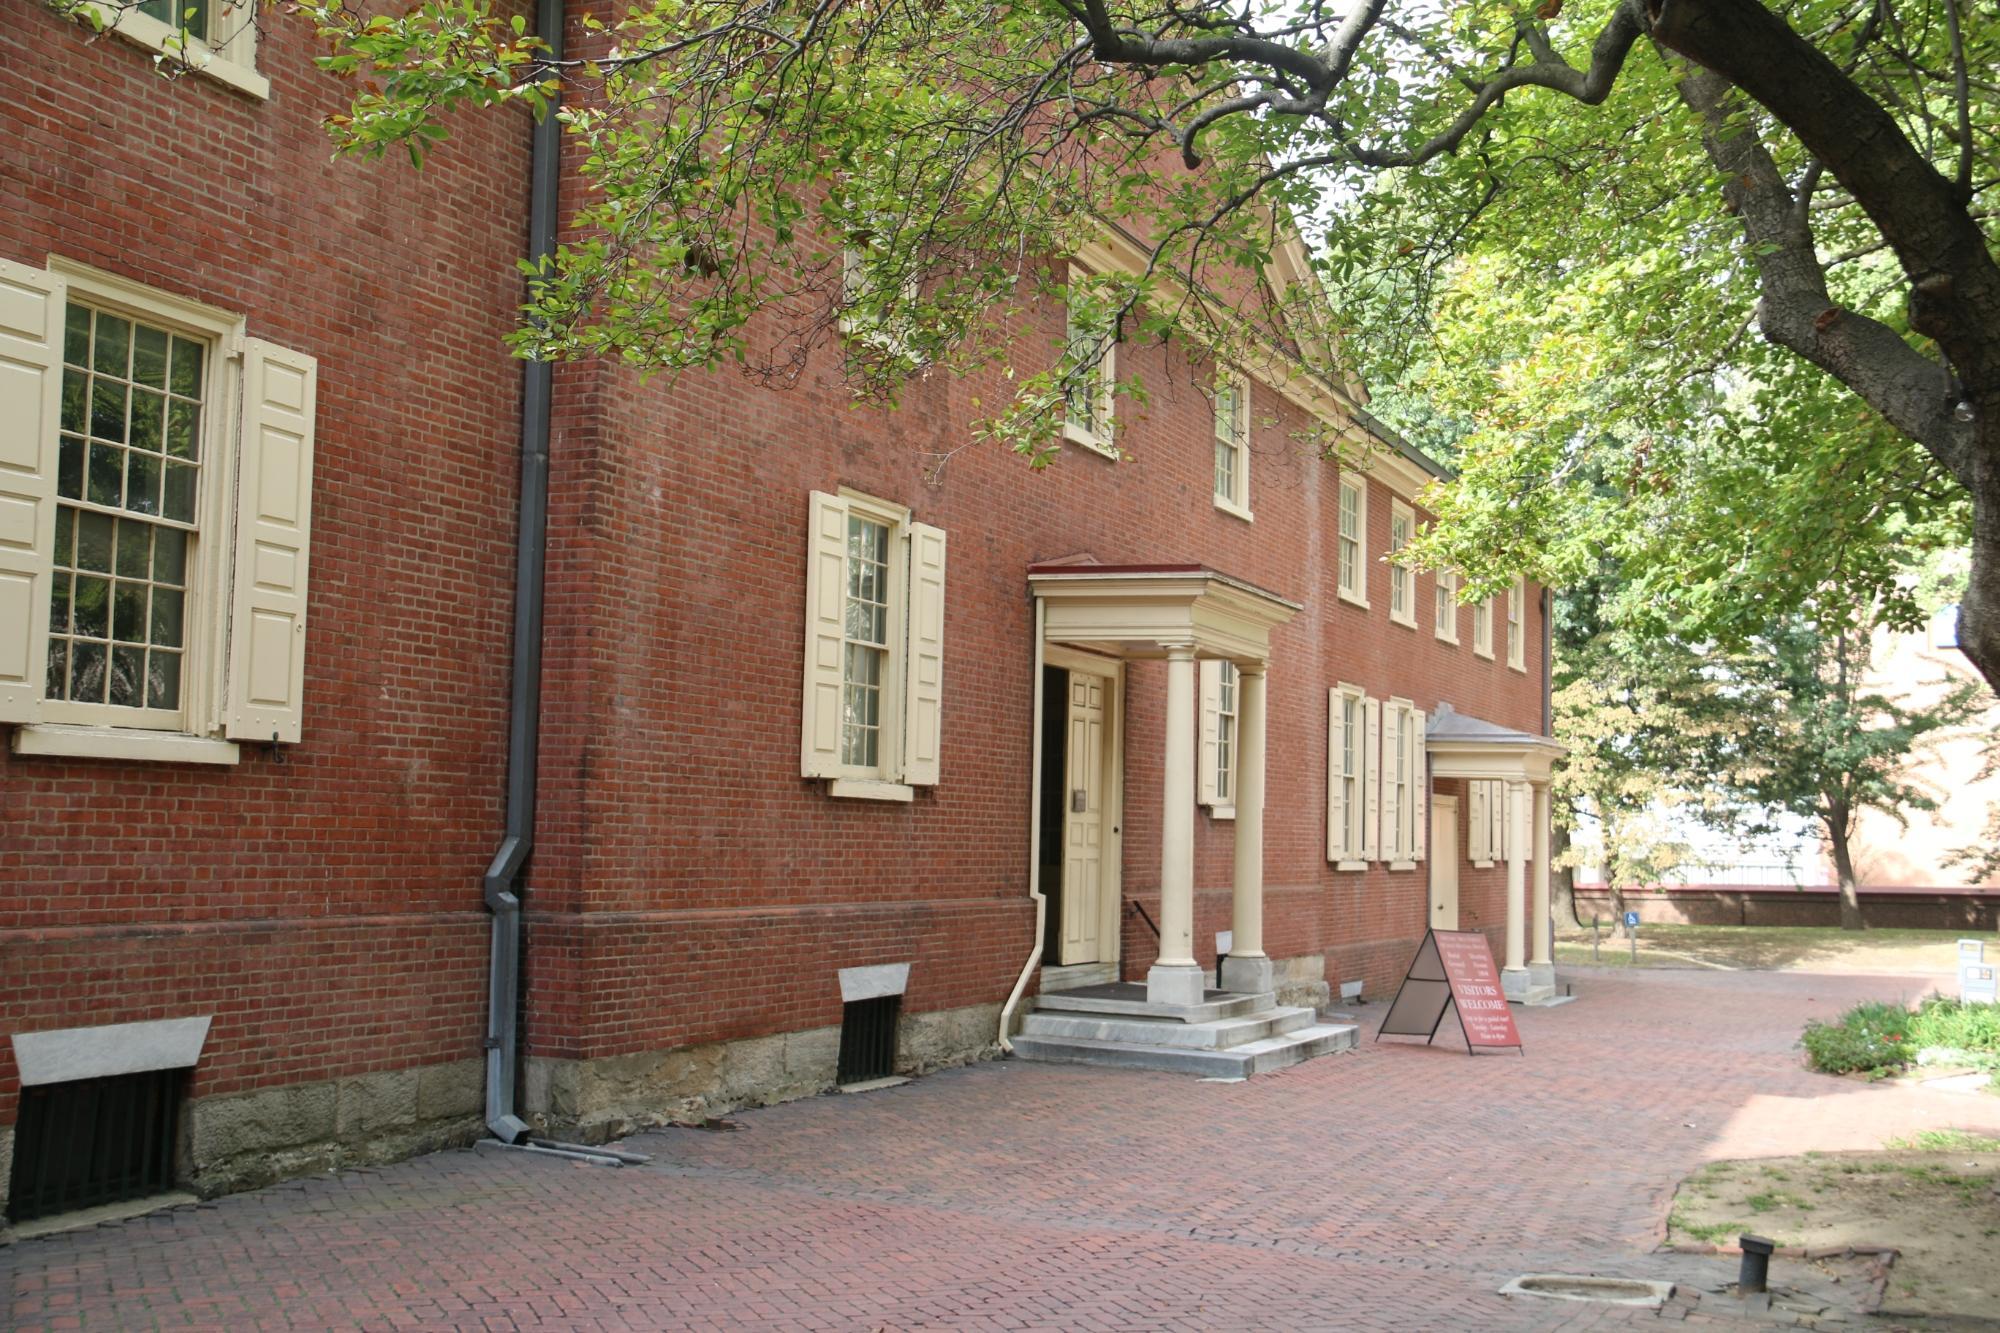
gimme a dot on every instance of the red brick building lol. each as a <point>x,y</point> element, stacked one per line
<point>810,731</point>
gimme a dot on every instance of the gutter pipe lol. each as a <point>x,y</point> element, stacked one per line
<point>1034,843</point>
<point>524,711</point>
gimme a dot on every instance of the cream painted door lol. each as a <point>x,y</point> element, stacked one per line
<point>1083,821</point>
<point>1444,863</point>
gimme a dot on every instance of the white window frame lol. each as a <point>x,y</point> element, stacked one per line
<point>873,333</point>
<point>212,706</point>
<point>1517,647</point>
<point>1221,738</point>
<point>1351,551</point>
<point>1402,579</point>
<point>1351,794</point>
<point>1445,613</point>
<point>1482,628</point>
<point>1104,380</point>
<point>892,776</point>
<point>226,53</point>
<point>1232,432</point>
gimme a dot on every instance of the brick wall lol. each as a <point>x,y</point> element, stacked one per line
<point>325,909</point>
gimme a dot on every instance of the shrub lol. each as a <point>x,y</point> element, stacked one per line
<point>1877,1037</point>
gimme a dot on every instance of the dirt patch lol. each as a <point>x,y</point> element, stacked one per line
<point>1824,949</point>
<point>1938,1207</point>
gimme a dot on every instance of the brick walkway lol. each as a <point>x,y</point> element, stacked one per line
<point>1396,1187</point>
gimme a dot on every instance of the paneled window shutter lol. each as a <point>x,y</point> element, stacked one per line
<point>1393,755</point>
<point>1211,730</point>
<point>1371,784</point>
<point>923,677</point>
<point>31,323</point>
<point>267,614</point>
<point>1420,782</point>
<point>1478,828</point>
<point>1336,788</point>
<point>826,599</point>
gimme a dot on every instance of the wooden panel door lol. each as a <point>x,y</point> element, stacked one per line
<point>1444,863</point>
<point>1083,821</point>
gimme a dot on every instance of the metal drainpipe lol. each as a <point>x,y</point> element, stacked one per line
<point>1034,844</point>
<point>524,715</point>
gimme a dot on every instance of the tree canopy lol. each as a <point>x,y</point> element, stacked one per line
<point>1710,212</point>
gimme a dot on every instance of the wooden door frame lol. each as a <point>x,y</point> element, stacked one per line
<point>1111,891</point>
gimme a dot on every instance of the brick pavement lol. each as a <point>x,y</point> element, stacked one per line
<point>1396,1187</point>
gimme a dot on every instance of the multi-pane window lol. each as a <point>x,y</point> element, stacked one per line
<point>1088,400</point>
<point>1232,442</point>
<point>1516,647</point>
<point>864,668</point>
<point>872,718</point>
<point>1225,733</point>
<point>213,38</point>
<point>1351,769</point>
<point>862,311</point>
<point>128,471</point>
<point>1353,528</point>
<point>1447,605</point>
<point>1402,580</point>
<point>193,15</point>
<point>1482,627</point>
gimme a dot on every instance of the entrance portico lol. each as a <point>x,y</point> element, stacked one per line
<point>1183,614</point>
<point>1518,762</point>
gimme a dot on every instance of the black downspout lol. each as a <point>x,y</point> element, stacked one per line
<point>524,705</point>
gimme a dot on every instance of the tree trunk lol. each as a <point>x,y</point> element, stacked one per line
<point>1563,878</point>
<point>1843,870</point>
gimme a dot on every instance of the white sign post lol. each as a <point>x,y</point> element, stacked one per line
<point>1976,976</point>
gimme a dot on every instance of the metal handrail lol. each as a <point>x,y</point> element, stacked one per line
<point>1140,908</point>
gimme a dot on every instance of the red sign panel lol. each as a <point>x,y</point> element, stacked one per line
<point>1475,989</point>
<point>1453,969</point>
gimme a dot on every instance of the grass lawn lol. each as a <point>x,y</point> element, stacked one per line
<point>1775,948</point>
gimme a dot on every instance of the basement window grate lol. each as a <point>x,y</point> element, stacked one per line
<point>868,1038</point>
<point>94,1141</point>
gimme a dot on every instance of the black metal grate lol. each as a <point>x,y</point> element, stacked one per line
<point>93,1141</point>
<point>868,1038</point>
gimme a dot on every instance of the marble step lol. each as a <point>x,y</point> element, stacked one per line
<point>1219,1034</point>
<point>1257,1057</point>
<point>1128,999</point>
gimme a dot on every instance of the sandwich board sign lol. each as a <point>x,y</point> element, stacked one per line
<point>1453,970</point>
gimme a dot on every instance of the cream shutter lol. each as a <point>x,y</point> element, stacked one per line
<point>1420,785</point>
<point>1478,830</point>
<point>1371,783</point>
<point>826,598</point>
<point>1503,823</point>
<point>31,322</point>
<point>1336,793</point>
<point>267,612</point>
<point>1392,801</point>
<point>923,673</point>
<point>1208,753</point>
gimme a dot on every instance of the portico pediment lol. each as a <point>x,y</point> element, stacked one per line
<point>1461,746</point>
<point>1139,611</point>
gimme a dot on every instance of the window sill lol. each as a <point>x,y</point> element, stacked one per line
<point>870,789</point>
<point>1483,865</point>
<point>1234,510</point>
<point>1407,622</point>
<point>1402,865</point>
<point>1350,865</point>
<point>162,747</point>
<point>1487,653</point>
<point>1521,667</point>
<point>148,33</point>
<point>1352,600</point>
<point>1075,434</point>
<point>1446,639</point>
<point>1222,811</point>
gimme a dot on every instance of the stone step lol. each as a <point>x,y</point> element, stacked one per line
<point>1257,1057</point>
<point>1128,999</point>
<point>1220,1034</point>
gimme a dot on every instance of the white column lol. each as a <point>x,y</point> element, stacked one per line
<point>1247,968</point>
<point>1543,918</point>
<point>1175,978</point>
<point>1514,975</point>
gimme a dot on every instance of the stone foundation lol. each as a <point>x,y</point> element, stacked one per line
<point>250,1139</point>
<point>1301,981</point>
<point>596,1101</point>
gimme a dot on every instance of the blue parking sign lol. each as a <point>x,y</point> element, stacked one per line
<point>1631,921</point>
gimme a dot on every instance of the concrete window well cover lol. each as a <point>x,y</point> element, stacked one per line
<point>1634,1292</point>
